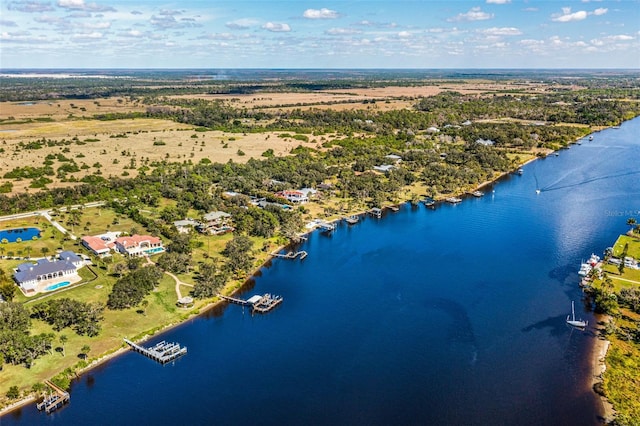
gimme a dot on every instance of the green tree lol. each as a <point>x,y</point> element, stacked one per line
<point>13,392</point>
<point>209,281</point>
<point>238,253</point>
<point>63,340</point>
<point>84,351</point>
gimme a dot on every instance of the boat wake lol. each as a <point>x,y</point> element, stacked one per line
<point>556,186</point>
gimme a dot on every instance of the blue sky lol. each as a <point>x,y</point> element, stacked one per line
<point>319,34</point>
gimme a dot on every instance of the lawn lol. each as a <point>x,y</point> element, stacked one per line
<point>633,248</point>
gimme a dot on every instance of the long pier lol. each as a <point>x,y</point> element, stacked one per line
<point>260,304</point>
<point>55,400</point>
<point>162,352</point>
<point>291,255</point>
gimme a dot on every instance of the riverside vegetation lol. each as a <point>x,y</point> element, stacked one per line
<point>466,133</point>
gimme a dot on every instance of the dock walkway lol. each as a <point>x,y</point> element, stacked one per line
<point>291,255</point>
<point>53,401</point>
<point>162,352</point>
<point>261,304</point>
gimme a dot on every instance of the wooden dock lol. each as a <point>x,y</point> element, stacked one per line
<point>291,255</point>
<point>325,226</point>
<point>267,303</point>
<point>260,304</point>
<point>162,352</point>
<point>54,400</point>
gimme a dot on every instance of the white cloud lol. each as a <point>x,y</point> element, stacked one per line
<point>97,25</point>
<point>87,36</point>
<point>567,16</point>
<point>6,23</point>
<point>30,6</point>
<point>71,4</point>
<point>242,24</point>
<point>504,31</point>
<point>498,1</point>
<point>276,27</point>
<point>323,13</point>
<point>600,11</point>
<point>474,14</point>
<point>133,33</point>
<point>342,31</point>
<point>81,5</point>
<point>404,34</point>
<point>23,37</point>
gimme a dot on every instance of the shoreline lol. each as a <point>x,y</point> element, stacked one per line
<point>598,366</point>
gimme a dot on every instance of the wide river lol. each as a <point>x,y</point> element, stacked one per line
<point>445,316</point>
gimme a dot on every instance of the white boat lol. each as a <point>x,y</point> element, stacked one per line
<point>520,171</point>
<point>590,138</point>
<point>477,194</point>
<point>571,319</point>
<point>453,200</point>
<point>537,191</point>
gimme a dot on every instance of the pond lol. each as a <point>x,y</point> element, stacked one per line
<point>19,234</point>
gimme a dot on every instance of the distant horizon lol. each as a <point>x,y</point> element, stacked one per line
<point>333,34</point>
<point>319,69</point>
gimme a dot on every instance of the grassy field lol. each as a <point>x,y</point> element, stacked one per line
<point>633,246</point>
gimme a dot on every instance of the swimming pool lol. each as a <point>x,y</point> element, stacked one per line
<point>155,250</point>
<point>57,286</point>
<point>23,234</point>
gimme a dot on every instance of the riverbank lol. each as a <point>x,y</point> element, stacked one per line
<point>218,303</point>
<point>598,367</point>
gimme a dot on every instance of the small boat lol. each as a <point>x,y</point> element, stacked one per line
<point>520,171</point>
<point>453,200</point>
<point>394,208</point>
<point>590,138</point>
<point>429,202</point>
<point>352,220</point>
<point>477,194</point>
<point>537,191</point>
<point>557,154</point>
<point>571,319</point>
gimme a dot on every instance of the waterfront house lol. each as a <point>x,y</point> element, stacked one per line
<point>139,245</point>
<point>71,257</point>
<point>385,168</point>
<point>101,245</point>
<point>29,275</point>
<point>216,223</point>
<point>296,197</point>
<point>394,158</point>
<point>185,226</point>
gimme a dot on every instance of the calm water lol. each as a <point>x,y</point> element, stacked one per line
<point>11,235</point>
<point>447,316</point>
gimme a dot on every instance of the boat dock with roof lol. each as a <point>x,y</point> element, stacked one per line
<point>261,304</point>
<point>162,352</point>
<point>55,400</point>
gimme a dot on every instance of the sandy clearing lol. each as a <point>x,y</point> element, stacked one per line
<point>58,109</point>
<point>116,155</point>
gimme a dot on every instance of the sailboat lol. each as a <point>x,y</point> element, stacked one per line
<point>576,323</point>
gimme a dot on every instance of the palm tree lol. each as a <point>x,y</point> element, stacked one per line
<point>45,251</point>
<point>63,339</point>
<point>631,221</point>
<point>84,351</point>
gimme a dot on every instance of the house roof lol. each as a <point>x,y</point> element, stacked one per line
<point>69,256</point>
<point>136,240</point>
<point>96,244</point>
<point>215,215</point>
<point>185,222</point>
<point>29,271</point>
